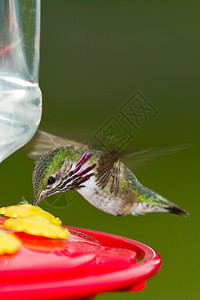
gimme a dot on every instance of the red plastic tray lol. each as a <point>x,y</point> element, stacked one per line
<point>87,263</point>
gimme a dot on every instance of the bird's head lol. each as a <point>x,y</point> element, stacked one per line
<point>49,174</point>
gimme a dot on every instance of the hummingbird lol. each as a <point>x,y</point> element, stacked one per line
<point>100,177</point>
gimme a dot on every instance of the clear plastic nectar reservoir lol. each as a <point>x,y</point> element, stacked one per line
<point>20,95</point>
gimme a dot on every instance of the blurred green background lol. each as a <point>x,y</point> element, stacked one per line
<point>94,55</point>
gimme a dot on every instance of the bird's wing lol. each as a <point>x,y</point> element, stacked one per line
<point>108,168</point>
<point>43,142</point>
<point>139,157</point>
<point>109,165</point>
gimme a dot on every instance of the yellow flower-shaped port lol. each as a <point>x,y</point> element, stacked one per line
<point>8,243</point>
<point>37,225</point>
<point>27,210</point>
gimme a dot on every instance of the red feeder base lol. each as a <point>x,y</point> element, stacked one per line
<point>87,263</point>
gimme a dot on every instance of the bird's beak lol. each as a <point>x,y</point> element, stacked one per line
<point>37,199</point>
<point>44,194</point>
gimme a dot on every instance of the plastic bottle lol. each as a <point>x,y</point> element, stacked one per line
<point>20,95</point>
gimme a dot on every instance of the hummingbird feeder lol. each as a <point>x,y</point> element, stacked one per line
<point>39,258</point>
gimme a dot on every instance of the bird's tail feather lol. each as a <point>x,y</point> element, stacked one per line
<point>149,201</point>
<point>169,206</point>
<point>176,210</point>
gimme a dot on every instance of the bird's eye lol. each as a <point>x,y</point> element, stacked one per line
<point>51,180</point>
